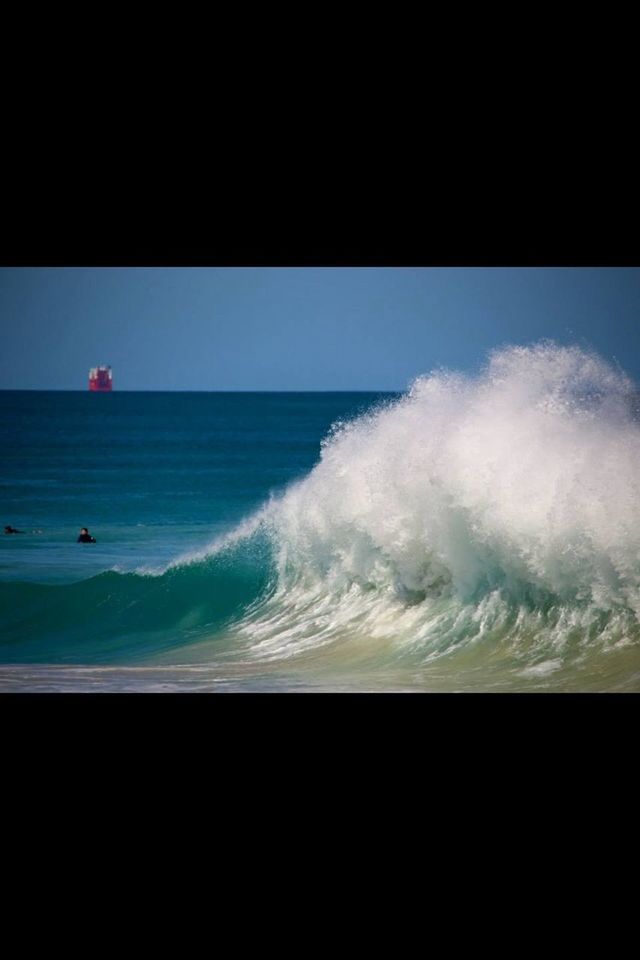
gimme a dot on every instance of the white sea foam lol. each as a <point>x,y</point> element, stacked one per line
<point>467,499</point>
<point>531,471</point>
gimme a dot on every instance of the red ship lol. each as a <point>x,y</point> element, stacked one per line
<point>100,379</point>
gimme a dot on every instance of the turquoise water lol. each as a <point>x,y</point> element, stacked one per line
<point>154,476</point>
<point>473,534</point>
<point>150,474</point>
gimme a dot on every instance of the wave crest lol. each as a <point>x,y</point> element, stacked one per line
<point>525,478</point>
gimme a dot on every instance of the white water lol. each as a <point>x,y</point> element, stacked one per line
<point>502,507</point>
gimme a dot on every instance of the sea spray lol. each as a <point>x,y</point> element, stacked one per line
<point>505,505</point>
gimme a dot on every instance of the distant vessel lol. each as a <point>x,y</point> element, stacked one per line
<point>100,379</point>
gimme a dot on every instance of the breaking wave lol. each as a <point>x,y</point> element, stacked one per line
<point>477,533</point>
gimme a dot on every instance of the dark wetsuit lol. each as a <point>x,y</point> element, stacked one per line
<point>86,538</point>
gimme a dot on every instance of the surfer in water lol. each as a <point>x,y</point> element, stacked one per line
<point>9,529</point>
<point>85,536</point>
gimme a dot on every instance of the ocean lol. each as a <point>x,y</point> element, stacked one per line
<point>476,533</point>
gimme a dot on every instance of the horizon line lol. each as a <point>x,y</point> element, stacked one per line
<point>79,390</point>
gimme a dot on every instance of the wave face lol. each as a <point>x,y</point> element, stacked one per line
<point>479,533</point>
<point>127,617</point>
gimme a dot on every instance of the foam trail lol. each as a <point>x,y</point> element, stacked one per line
<point>227,541</point>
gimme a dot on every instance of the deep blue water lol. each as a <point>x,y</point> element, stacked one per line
<point>150,474</point>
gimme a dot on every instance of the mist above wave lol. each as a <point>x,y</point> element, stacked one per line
<point>526,477</point>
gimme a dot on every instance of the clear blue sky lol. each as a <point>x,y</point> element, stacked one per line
<point>270,328</point>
